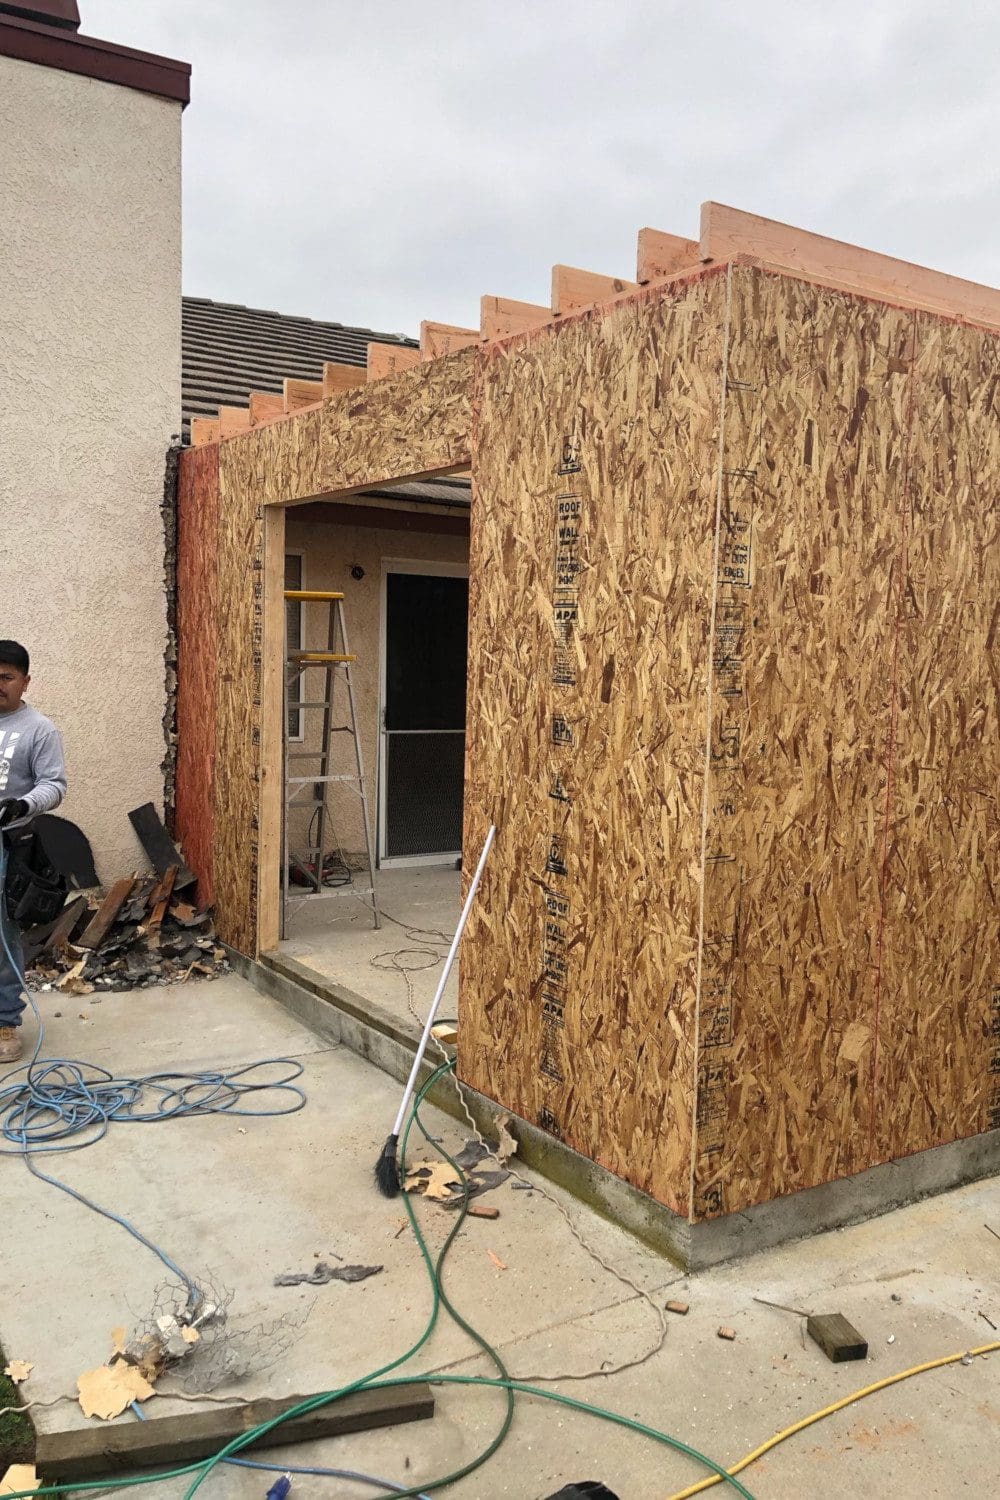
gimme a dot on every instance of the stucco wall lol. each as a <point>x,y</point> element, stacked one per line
<point>330,553</point>
<point>90,261</point>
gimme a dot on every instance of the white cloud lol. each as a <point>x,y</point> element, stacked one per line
<point>385,162</point>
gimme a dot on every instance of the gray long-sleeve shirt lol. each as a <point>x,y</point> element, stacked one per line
<point>32,768</point>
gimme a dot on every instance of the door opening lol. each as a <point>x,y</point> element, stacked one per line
<point>425,609</point>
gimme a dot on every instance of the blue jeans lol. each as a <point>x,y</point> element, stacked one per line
<point>11,1004</point>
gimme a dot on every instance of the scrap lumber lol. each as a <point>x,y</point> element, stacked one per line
<point>53,936</point>
<point>573,290</point>
<point>233,420</point>
<point>161,851</point>
<point>161,900</point>
<point>390,359</point>
<point>437,339</point>
<point>265,406</point>
<point>299,393</point>
<point>838,1339</point>
<point>339,377</point>
<point>204,430</point>
<point>97,930</point>
<point>660,255</point>
<point>726,232</point>
<point>499,317</point>
<point>91,1452</point>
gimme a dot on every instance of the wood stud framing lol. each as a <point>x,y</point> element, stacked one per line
<point>739,933</point>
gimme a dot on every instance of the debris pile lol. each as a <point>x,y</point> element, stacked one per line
<point>142,934</point>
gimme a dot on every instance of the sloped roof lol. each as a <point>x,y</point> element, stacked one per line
<point>229,350</point>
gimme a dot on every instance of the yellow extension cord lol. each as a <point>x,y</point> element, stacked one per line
<point>817,1416</point>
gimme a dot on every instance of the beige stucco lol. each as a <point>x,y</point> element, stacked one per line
<point>90,352</point>
<point>330,552</point>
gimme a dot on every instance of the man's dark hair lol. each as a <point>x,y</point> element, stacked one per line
<point>14,655</point>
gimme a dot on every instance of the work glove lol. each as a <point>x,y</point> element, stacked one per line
<point>12,811</point>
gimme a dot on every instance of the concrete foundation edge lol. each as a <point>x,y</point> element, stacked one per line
<point>364,1027</point>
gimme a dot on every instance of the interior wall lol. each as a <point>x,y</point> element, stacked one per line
<point>90,396</point>
<point>330,551</point>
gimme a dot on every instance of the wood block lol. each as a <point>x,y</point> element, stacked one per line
<point>482,1211</point>
<point>726,1333</point>
<point>660,255</point>
<point>160,848</point>
<point>573,290</point>
<point>103,919</point>
<point>678,1307</point>
<point>838,1339</point>
<point>499,317</point>
<point>86,1452</point>
<point>338,377</point>
<point>437,339</point>
<point>445,1032</point>
<point>390,359</point>
<point>204,430</point>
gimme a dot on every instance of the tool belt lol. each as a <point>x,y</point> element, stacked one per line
<point>34,890</point>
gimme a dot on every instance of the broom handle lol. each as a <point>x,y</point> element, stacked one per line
<point>411,1081</point>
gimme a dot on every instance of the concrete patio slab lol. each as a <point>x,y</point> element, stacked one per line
<point>919,1283</point>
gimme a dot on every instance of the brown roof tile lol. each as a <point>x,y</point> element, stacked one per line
<point>229,350</point>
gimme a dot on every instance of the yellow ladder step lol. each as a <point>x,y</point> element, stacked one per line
<point>308,596</point>
<point>310,658</point>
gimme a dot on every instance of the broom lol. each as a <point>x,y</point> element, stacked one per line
<point>386,1168</point>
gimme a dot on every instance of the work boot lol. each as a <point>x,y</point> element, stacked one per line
<point>10,1044</point>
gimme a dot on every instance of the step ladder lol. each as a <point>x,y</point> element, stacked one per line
<point>310,788</point>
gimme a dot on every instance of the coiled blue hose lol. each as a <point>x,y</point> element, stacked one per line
<point>64,1105</point>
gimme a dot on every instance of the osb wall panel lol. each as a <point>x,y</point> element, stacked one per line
<point>197,658</point>
<point>260,467</point>
<point>813,472</point>
<point>937,1071</point>
<point>417,422</point>
<point>593,524</point>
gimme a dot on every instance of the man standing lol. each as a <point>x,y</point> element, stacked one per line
<point>32,780</point>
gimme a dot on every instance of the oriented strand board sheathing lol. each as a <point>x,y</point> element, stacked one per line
<point>197,658</point>
<point>413,423</point>
<point>257,468</point>
<point>592,535</point>
<point>813,474</point>
<point>937,1072</point>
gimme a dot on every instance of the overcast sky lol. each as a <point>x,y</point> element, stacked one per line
<point>382,161</point>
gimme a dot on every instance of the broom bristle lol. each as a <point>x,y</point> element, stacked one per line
<point>386,1169</point>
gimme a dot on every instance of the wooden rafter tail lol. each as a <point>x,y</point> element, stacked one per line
<point>727,232</point>
<point>499,317</point>
<point>390,359</point>
<point>661,255</point>
<point>338,377</point>
<point>233,420</point>
<point>438,339</point>
<point>204,430</point>
<point>573,290</point>
<point>299,393</point>
<point>265,406</point>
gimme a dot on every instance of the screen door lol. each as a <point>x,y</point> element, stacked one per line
<point>423,719</point>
